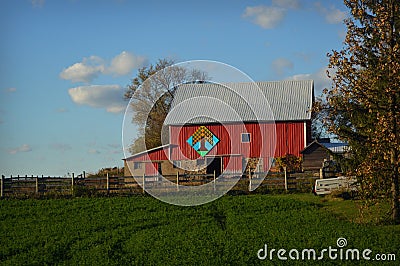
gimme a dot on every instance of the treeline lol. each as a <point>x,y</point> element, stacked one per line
<point>115,171</point>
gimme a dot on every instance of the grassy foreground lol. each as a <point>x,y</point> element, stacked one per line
<point>141,230</point>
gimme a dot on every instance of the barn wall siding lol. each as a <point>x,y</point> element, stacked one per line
<point>232,164</point>
<point>149,161</point>
<point>289,140</point>
<point>129,169</point>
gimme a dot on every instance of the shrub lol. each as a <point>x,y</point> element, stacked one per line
<point>290,161</point>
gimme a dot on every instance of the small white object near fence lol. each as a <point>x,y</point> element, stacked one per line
<point>326,186</point>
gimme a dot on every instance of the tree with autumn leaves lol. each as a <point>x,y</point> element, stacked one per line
<point>363,105</point>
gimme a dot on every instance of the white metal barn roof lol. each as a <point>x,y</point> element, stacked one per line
<point>289,100</point>
<point>339,147</point>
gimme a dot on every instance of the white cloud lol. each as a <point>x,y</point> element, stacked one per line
<point>90,68</point>
<point>94,151</point>
<point>124,63</point>
<point>306,57</point>
<point>84,71</point>
<point>116,109</point>
<point>115,146</point>
<point>10,90</point>
<point>109,97</point>
<point>23,148</point>
<point>321,80</point>
<point>62,110</point>
<point>37,3</point>
<point>280,65</point>
<point>116,151</point>
<point>332,15</point>
<point>295,4</point>
<point>60,147</point>
<point>267,17</point>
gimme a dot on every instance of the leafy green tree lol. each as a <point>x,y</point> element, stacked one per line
<point>363,105</point>
<point>151,93</point>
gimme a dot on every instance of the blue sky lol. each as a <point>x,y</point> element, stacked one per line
<point>65,65</point>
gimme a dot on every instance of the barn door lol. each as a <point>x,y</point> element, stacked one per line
<point>214,164</point>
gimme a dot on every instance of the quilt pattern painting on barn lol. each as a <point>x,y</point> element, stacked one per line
<point>202,140</point>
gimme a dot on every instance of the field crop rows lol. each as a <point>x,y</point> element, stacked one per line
<point>141,230</point>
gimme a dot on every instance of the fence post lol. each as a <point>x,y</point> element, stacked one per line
<point>84,175</point>
<point>177,181</point>
<point>214,182</point>
<point>285,169</point>
<point>37,185</point>
<point>321,173</point>
<point>108,183</point>
<point>2,186</point>
<point>72,183</point>
<point>143,182</point>
<point>249,179</point>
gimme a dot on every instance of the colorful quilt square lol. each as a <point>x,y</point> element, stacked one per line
<point>202,140</point>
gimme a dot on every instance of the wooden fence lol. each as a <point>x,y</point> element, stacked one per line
<point>30,185</point>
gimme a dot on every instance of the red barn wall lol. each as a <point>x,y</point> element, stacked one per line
<point>151,168</point>
<point>232,164</point>
<point>150,161</point>
<point>290,139</point>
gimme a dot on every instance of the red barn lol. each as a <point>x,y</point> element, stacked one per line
<point>221,127</point>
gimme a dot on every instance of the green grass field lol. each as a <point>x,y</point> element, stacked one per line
<point>140,230</point>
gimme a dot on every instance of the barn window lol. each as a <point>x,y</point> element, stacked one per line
<point>176,164</point>
<point>245,137</point>
<point>137,165</point>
